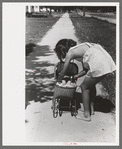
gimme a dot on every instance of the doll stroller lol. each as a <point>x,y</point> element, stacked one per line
<point>64,97</point>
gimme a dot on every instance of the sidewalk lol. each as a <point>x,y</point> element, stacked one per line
<point>41,127</point>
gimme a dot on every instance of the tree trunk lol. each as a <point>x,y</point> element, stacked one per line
<point>84,11</point>
<point>76,10</point>
<point>50,13</point>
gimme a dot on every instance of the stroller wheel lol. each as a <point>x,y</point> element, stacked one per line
<point>60,113</point>
<point>72,112</point>
<point>73,108</point>
<point>55,104</point>
<point>55,108</point>
<point>52,107</point>
<point>55,113</point>
<point>75,113</point>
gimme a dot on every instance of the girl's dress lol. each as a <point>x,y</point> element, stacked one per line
<point>99,60</point>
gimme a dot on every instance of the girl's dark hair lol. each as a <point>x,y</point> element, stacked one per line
<point>63,46</point>
<point>61,52</point>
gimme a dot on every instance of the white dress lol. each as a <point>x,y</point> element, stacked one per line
<point>99,60</point>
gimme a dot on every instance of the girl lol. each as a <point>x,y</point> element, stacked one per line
<point>96,64</point>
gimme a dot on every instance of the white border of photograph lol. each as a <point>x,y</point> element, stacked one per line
<point>13,64</point>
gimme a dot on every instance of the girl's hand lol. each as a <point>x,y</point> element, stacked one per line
<point>76,77</point>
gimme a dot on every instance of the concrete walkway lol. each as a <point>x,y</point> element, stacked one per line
<point>42,128</point>
<point>62,29</point>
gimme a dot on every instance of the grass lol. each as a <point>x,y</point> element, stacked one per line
<point>106,15</point>
<point>104,33</point>
<point>37,27</point>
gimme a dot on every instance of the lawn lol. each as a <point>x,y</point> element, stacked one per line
<point>104,33</point>
<point>37,27</point>
<point>106,15</point>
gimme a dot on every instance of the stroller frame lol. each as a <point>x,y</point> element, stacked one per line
<point>69,102</point>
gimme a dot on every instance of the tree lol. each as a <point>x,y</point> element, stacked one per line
<point>84,11</point>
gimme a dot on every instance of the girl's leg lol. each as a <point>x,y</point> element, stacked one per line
<point>92,98</point>
<point>86,85</point>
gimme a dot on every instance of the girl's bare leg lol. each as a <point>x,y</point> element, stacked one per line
<point>92,98</point>
<point>86,104</point>
<point>92,108</point>
<point>86,85</point>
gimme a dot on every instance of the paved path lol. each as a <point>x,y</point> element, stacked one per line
<point>62,29</point>
<point>41,127</point>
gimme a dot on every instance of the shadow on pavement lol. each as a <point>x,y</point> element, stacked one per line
<point>101,104</point>
<point>39,83</point>
<point>41,50</point>
<point>36,95</point>
<point>29,48</point>
<point>42,93</point>
<point>37,57</point>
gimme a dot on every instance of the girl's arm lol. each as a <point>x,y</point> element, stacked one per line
<point>55,71</point>
<point>80,74</point>
<point>67,61</point>
<point>83,72</point>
